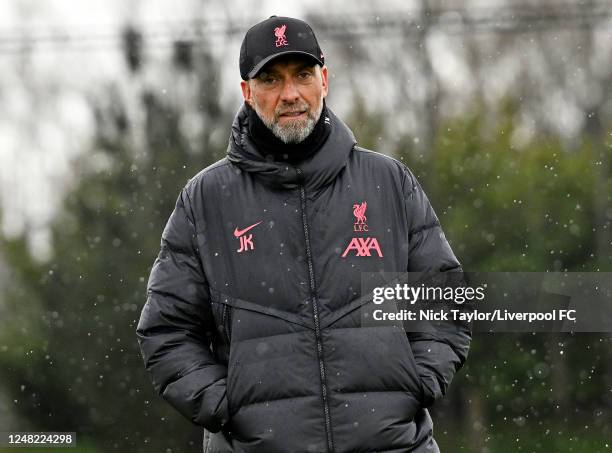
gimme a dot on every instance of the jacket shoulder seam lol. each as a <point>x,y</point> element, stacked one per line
<point>205,171</point>
<point>377,154</point>
<point>187,189</point>
<point>405,170</point>
<point>428,226</point>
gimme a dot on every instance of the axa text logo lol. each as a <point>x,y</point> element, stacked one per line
<point>246,242</point>
<point>363,247</point>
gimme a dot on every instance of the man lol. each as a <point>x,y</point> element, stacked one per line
<point>252,325</point>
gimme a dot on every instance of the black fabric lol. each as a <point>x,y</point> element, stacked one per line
<point>229,334</point>
<point>272,148</point>
<point>274,37</point>
<point>316,171</point>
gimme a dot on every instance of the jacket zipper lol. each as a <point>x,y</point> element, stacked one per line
<point>315,311</point>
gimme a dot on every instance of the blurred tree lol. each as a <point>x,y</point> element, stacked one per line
<point>133,48</point>
<point>509,208</point>
<point>69,355</point>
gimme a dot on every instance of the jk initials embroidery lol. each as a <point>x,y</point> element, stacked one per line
<point>246,242</point>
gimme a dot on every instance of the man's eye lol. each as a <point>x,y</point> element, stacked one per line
<point>304,75</point>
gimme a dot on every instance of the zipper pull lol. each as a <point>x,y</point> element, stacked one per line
<point>300,175</point>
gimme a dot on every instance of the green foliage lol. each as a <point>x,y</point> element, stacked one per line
<point>528,208</point>
<point>515,436</point>
<point>506,208</point>
<point>70,358</point>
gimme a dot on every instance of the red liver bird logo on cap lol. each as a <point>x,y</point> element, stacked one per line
<point>281,39</point>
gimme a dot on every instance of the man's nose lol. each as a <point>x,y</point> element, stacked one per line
<point>289,92</point>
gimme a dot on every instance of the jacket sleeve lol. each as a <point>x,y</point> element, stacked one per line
<point>173,326</point>
<point>441,349</point>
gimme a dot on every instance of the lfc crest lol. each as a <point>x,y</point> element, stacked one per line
<point>359,213</point>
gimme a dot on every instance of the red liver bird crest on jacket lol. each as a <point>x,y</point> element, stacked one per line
<point>359,213</point>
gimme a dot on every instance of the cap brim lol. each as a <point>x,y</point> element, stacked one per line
<point>259,66</point>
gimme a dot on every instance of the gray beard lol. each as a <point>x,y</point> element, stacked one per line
<point>295,131</point>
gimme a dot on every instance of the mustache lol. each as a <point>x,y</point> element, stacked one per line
<point>293,108</point>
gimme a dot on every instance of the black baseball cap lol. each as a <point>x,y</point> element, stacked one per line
<point>274,37</point>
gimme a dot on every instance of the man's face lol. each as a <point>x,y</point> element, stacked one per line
<point>287,95</point>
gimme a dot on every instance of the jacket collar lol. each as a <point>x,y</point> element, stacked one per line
<point>314,173</point>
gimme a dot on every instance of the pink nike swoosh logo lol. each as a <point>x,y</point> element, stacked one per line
<point>238,232</point>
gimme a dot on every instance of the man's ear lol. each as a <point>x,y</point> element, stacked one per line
<point>246,92</point>
<point>324,81</point>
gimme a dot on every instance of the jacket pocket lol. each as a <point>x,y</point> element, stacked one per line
<point>388,344</point>
<point>222,313</point>
<point>412,361</point>
<point>260,339</point>
<point>226,323</point>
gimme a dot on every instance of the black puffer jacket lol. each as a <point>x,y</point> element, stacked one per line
<point>252,324</point>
